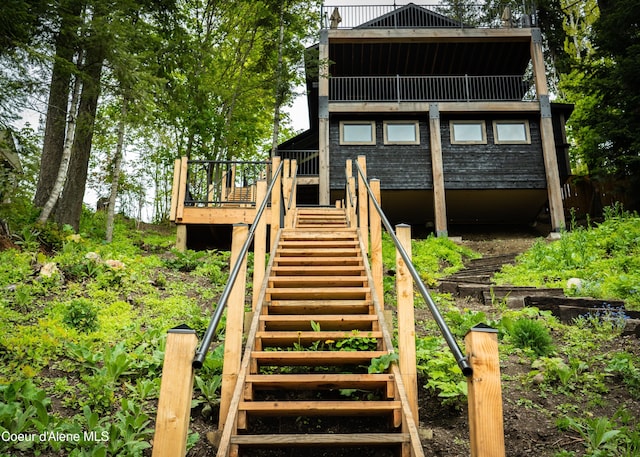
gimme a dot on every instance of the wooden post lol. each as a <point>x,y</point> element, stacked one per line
<point>323,119</point>
<point>276,196</point>
<point>437,170</point>
<point>176,389</point>
<point>353,201</point>
<point>182,188</point>
<point>406,325</point>
<point>259,245</point>
<point>486,429</point>
<point>363,203</point>
<point>235,321</point>
<point>181,237</point>
<point>174,190</point>
<point>376,244</point>
<point>554,189</point>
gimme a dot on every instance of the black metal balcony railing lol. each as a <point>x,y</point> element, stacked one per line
<point>429,88</point>
<point>212,183</point>
<point>462,14</point>
<point>306,161</point>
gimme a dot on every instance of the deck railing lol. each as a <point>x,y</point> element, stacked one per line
<point>429,88</point>
<point>306,159</point>
<point>464,14</point>
<point>213,183</point>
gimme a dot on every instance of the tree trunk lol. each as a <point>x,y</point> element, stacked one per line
<point>69,207</point>
<point>117,161</point>
<point>66,154</point>
<point>54,133</point>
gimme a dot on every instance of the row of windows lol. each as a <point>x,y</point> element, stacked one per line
<point>408,132</point>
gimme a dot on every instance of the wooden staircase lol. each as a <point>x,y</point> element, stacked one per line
<point>296,375</point>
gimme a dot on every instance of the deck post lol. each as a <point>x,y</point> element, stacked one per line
<point>174,190</point>
<point>181,237</point>
<point>549,154</point>
<point>437,169</point>
<point>406,325</point>
<point>176,388</point>
<point>259,245</point>
<point>276,198</point>
<point>363,203</point>
<point>486,428</point>
<point>234,326</point>
<point>182,189</point>
<point>376,244</point>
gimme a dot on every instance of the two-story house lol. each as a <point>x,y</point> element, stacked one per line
<point>453,115</point>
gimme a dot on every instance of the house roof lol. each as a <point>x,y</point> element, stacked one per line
<point>8,152</point>
<point>411,16</point>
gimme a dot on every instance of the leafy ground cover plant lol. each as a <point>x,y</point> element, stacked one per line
<point>85,352</point>
<point>604,257</point>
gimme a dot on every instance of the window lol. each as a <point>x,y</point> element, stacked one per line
<point>357,132</point>
<point>468,132</point>
<point>511,132</point>
<point>401,132</point>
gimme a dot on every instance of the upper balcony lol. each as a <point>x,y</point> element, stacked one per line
<point>465,14</point>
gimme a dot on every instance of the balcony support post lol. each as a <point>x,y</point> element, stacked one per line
<point>437,169</point>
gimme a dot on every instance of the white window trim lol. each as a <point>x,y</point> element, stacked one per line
<point>373,132</point>
<point>416,125</point>
<point>515,121</point>
<point>481,122</point>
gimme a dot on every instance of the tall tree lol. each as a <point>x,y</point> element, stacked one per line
<point>96,43</point>
<point>66,44</point>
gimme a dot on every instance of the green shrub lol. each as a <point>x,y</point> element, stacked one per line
<point>82,315</point>
<point>531,334</point>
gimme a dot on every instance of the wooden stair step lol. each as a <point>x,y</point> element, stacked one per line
<point>315,281</point>
<point>300,306</point>
<point>342,234</point>
<point>326,439</point>
<point>319,408</point>
<point>317,251</point>
<point>318,228</point>
<point>325,381</point>
<point>317,260</point>
<point>315,358</point>
<point>318,243</point>
<point>288,338</point>
<point>318,270</point>
<point>326,322</point>
<point>275,293</point>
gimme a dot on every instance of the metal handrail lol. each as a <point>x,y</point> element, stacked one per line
<point>461,359</point>
<point>201,353</point>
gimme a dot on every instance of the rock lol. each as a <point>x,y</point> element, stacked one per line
<point>575,283</point>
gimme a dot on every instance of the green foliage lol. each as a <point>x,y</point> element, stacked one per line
<point>433,257</point>
<point>627,367</point>
<point>531,334</point>
<point>81,314</point>
<point>381,364</point>
<point>444,377</point>
<point>605,257</point>
<point>600,436</point>
<point>460,322</point>
<point>185,261</point>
